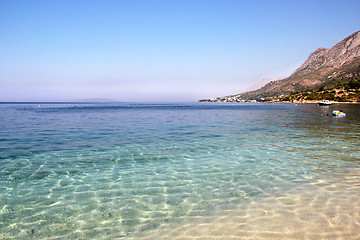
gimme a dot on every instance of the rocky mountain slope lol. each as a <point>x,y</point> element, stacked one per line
<point>324,66</point>
<point>262,83</point>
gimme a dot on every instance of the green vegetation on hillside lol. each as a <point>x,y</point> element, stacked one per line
<point>342,91</point>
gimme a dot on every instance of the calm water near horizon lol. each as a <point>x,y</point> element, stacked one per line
<point>111,170</point>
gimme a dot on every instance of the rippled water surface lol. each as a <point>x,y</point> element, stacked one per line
<point>116,170</point>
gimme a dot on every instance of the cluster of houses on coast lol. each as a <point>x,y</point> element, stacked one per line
<point>234,98</point>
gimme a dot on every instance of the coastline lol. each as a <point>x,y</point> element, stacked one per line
<point>274,101</point>
<point>317,101</point>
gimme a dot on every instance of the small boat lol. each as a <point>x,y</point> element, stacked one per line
<point>338,113</point>
<point>324,103</point>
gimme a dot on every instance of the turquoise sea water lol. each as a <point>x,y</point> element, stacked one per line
<point>106,169</point>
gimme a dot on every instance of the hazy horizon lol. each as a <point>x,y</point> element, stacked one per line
<point>159,51</point>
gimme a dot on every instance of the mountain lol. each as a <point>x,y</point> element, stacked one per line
<point>262,83</point>
<point>322,68</point>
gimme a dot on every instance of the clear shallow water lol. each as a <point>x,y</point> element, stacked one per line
<point>110,170</point>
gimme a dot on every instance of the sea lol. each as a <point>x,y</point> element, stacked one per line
<point>178,171</point>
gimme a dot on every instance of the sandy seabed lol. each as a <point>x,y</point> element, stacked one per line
<point>321,210</point>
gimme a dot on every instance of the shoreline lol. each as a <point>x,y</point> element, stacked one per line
<point>291,102</point>
<point>315,102</point>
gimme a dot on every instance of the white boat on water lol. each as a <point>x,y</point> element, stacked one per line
<point>324,103</point>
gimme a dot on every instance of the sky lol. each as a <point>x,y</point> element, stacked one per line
<point>159,50</point>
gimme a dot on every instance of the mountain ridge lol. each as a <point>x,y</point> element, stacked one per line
<point>262,83</point>
<point>342,61</point>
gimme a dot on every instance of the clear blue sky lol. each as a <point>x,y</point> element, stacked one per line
<point>159,50</point>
